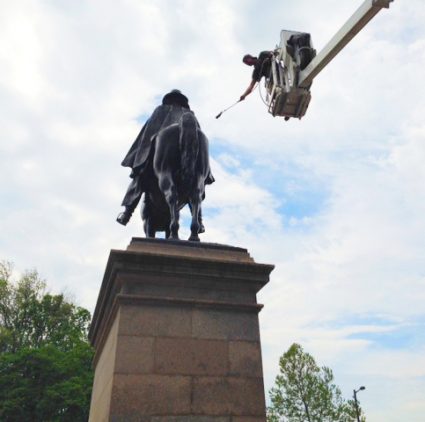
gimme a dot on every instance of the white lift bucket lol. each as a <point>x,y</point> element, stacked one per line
<point>295,64</point>
<point>284,96</point>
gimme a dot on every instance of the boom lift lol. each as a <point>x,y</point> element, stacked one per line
<point>295,63</point>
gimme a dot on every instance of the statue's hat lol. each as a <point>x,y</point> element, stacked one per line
<point>176,97</point>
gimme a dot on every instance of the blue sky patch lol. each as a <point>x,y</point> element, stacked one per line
<point>394,334</point>
<point>142,118</point>
<point>299,194</point>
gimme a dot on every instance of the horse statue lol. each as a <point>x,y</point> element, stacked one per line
<point>180,166</point>
<point>170,165</point>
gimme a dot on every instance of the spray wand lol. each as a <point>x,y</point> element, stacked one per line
<point>221,112</point>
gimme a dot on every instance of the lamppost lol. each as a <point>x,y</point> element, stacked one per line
<point>356,403</point>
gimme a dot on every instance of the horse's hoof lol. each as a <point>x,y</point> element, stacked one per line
<point>194,238</point>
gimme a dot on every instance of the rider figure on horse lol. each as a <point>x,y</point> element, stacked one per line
<point>174,105</point>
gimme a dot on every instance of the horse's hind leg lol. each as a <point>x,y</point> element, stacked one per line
<point>149,228</point>
<point>195,203</point>
<point>168,188</point>
<point>146,214</point>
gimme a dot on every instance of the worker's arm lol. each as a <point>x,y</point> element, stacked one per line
<point>248,90</point>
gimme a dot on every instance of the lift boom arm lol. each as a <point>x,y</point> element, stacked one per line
<point>348,31</point>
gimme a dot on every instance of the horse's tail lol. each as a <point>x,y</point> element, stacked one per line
<point>189,147</point>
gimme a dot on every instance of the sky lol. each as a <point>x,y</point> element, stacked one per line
<point>336,201</point>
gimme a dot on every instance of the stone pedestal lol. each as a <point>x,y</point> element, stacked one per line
<point>176,335</point>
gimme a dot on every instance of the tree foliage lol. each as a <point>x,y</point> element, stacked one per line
<point>45,358</point>
<point>30,317</point>
<point>304,392</point>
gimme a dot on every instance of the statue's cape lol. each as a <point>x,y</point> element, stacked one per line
<point>163,116</point>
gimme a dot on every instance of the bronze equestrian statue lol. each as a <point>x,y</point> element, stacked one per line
<point>170,164</point>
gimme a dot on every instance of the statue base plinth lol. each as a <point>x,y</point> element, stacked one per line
<point>176,335</point>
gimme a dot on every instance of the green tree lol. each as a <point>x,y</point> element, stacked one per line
<point>45,357</point>
<point>303,392</point>
<point>30,317</point>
